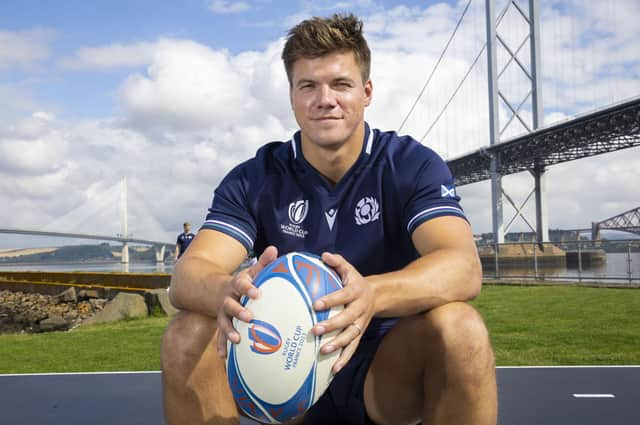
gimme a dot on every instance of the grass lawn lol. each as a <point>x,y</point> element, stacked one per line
<point>529,326</point>
<point>553,325</point>
<point>123,346</point>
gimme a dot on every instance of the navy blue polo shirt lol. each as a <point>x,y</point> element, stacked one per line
<point>183,241</point>
<point>277,198</point>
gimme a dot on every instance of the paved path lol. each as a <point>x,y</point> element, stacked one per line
<point>528,396</point>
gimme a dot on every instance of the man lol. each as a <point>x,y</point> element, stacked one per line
<point>183,241</point>
<point>382,210</point>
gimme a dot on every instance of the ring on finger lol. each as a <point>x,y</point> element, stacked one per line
<point>357,327</point>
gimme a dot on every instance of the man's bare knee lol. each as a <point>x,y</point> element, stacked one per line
<point>463,338</point>
<point>184,341</point>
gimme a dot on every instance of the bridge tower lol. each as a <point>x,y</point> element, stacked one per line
<point>497,96</point>
<point>125,225</point>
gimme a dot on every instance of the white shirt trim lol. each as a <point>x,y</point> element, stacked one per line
<point>293,146</point>
<point>235,228</point>
<point>369,142</point>
<point>428,210</point>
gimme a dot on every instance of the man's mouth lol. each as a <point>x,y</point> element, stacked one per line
<point>326,118</point>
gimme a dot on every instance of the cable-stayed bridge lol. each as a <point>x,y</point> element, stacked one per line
<point>100,210</point>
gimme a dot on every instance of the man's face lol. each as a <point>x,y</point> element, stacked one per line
<point>328,98</point>
<point>187,228</point>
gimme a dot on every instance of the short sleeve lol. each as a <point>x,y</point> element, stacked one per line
<point>434,193</point>
<point>230,211</point>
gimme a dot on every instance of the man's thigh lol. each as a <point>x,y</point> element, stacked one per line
<point>393,386</point>
<point>411,357</point>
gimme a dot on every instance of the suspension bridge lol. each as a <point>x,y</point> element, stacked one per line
<point>519,136</point>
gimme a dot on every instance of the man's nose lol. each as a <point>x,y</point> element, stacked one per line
<point>326,97</point>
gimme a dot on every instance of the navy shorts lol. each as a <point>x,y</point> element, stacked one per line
<point>343,402</point>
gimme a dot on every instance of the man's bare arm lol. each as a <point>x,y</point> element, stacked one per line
<point>448,270</point>
<point>201,277</point>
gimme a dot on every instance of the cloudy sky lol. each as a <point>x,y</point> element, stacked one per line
<point>173,94</point>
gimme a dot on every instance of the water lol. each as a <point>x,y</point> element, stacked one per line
<point>616,268</point>
<point>93,267</point>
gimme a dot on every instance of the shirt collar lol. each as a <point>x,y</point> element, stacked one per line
<point>367,146</point>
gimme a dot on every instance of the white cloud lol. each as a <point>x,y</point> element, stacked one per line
<point>192,88</point>
<point>188,113</point>
<point>111,56</point>
<point>31,148</point>
<point>225,6</point>
<point>24,48</point>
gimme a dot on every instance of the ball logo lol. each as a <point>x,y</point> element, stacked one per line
<point>367,210</point>
<point>298,211</point>
<point>265,337</point>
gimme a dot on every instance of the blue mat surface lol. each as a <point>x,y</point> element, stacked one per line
<point>528,395</point>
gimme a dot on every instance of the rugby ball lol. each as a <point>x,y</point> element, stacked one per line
<point>277,372</point>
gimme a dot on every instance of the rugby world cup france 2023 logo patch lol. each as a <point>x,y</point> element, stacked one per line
<point>265,338</point>
<point>298,211</point>
<point>276,371</point>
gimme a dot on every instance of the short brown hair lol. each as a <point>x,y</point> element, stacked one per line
<point>316,37</point>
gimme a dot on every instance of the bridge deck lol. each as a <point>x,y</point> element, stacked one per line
<point>607,130</point>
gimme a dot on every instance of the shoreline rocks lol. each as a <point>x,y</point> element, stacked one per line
<point>22,312</point>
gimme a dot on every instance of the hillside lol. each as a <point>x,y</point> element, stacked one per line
<point>103,252</point>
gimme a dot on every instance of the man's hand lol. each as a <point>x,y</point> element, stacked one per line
<point>241,284</point>
<point>358,297</point>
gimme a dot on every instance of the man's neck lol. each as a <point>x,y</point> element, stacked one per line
<point>334,161</point>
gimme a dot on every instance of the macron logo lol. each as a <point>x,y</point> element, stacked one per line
<point>331,217</point>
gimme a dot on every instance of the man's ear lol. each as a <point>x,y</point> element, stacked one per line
<point>368,92</point>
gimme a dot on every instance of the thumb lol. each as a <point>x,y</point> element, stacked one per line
<point>268,255</point>
<point>338,263</point>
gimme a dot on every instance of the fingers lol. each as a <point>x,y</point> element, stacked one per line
<point>221,342</point>
<point>357,299</point>
<point>230,309</point>
<point>241,284</point>
<point>340,297</point>
<point>226,331</point>
<point>348,275</point>
<point>346,354</point>
<point>341,340</point>
<point>243,281</point>
<point>348,341</point>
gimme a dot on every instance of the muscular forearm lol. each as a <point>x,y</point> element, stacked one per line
<point>197,286</point>
<point>440,277</point>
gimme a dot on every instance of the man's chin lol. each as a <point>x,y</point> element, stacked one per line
<point>328,141</point>
<point>327,136</point>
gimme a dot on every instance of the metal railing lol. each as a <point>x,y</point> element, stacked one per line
<point>610,261</point>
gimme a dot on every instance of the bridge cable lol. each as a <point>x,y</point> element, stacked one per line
<point>433,71</point>
<point>454,93</point>
<point>501,15</point>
